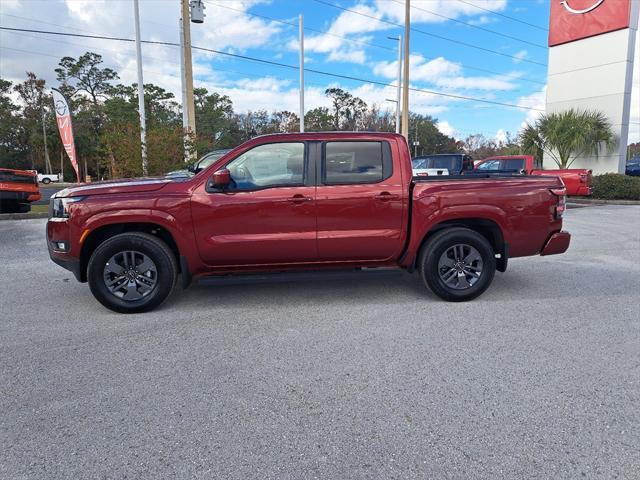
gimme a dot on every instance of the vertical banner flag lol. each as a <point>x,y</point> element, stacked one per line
<point>63,119</point>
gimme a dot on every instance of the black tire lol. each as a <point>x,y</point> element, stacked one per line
<point>24,208</point>
<point>441,243</point>
<point>156,250</point>
<point>46,181</point>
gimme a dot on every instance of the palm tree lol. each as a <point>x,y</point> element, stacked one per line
<point>565,136</point>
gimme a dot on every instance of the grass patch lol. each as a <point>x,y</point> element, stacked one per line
<point>39,208</point>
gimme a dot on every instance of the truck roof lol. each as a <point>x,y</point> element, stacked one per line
<point>331,135</point>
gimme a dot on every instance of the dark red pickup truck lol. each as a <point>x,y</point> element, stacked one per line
<point>302,201</point>
<point>576,180</point>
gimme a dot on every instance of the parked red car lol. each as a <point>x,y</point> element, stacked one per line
<point>302,201</point>
<point>18,188</point>
<point>576,180</point>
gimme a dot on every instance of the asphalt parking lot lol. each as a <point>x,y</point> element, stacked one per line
<point>338,377</point>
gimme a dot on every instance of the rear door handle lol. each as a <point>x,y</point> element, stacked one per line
<point>386,196</point>
<point>299,198</point>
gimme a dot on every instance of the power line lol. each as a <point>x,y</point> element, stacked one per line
<point>504,16</point>
<point>478,27</point>
<point>413,29</point>
<point>271,62</point>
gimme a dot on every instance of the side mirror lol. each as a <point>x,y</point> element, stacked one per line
<point>221,178</point>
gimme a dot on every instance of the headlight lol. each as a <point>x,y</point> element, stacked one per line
<point>59,207</point>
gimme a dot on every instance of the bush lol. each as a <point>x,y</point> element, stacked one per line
<point>614,186</point>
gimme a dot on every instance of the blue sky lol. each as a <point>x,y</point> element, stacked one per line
<point>462,70</point>
<point>466,61</point>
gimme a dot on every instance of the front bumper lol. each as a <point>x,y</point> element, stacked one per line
<point>557,243</point>
<point>58,231</point>
<point>71,264</point>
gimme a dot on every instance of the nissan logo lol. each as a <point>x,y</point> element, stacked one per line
<point>61,108</point>
<point>570,9</point>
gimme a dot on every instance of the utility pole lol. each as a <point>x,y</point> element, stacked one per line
<point>143,122</point>
<point>183,85</point>
<point>398,80</point>
<point>405,80</point>
<point>301,33</point>
<point>188,69</point>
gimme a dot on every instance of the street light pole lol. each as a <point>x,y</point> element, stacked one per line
<point>143,124</point>
<point>405,80</point>
<point>301,26</point>
<point>398,80</point>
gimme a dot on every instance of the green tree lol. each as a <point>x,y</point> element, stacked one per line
<point>33,97</point>
<point>318,120</point>
<point>567,135</point>
<point>14,142</point>
<point>214,114</point>
<point>424,129</point>
<point>284,122</point>
<point>348,111</point>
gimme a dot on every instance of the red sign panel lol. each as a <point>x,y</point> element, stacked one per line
<point>575,19</point>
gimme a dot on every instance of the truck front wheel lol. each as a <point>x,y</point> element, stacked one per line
<point>132,272</point>
<point>457,264</point>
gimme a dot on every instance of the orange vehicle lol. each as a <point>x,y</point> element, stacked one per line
<point>18,188</point>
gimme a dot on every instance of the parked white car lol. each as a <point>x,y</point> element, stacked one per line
<point>420,169</point>
<point>47,178</point>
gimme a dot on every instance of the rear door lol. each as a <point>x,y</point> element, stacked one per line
<point>359,202</point>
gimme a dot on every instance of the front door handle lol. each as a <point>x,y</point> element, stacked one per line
<point>299,198</point>
<point>386,196</point>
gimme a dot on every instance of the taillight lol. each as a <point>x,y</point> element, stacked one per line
<point>561,206</point>
<point>423,174</point>
<point>586,177</point>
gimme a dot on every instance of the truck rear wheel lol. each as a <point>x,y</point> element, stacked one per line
<point>132,272</point>
<point>457,264</point>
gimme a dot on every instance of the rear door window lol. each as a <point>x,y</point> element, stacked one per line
<point>513,164</point>
<point>356,162</point>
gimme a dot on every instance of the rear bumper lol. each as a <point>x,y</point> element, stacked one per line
<point>583,191</point>
<point>557,243</point>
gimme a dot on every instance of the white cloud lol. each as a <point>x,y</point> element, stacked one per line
<point>520,56</point>
<point>432,11</point>
<point>501,136</point>
<point>536,101</point>
<point>443,73</point>
<point>351,25</point>
<point>482,20</point>
<point>446,128</point>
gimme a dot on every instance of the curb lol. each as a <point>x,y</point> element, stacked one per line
<point>601,201</point>
<point>22,216</point>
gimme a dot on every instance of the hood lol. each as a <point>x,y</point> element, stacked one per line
<point>132,185</point>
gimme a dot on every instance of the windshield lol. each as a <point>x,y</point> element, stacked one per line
<point>450,162</point>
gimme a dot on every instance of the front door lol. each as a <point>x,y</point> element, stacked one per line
<point>360,202</point>
<point>266,216</point>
